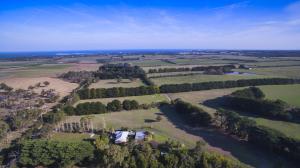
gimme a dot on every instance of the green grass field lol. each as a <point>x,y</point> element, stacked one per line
<point>288,128</point>
<point>202,78</point>
<point>146,99</point>
<point>291,72</point>
<point>287,93</point>
<point>149,63</point>
<point>113,83</point>
<point>143,120</point>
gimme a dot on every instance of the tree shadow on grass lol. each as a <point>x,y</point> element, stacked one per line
<point>241,150</point>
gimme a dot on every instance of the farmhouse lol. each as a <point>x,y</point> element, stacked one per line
<point>121,136</point>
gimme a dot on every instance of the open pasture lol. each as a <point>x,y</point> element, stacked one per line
<point>289,129</point>
<point>287,93</point>
<point>173,127</point>
<point>142,119</point>
<point>149,63</point>
<point>109,83</point>
<point>34,70</point>
<point>291,72</point>
<point>146,99</point>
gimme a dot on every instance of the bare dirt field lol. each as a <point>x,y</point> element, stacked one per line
<point>60,86</point>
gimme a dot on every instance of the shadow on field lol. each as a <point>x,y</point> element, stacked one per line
<point>243,151</point>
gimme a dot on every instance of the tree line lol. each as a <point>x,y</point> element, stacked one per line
<point>263,137</point>
<point>252,100</point>
<point>186,87</point>
<point>100,108</point>
<point>117,92</point>
<point>175,88</point>
<point>223,68</point>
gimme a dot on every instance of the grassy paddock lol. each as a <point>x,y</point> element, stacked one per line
<point>287,93</point>
<point>36,70</point>
<point>143,120</point>
<point>114,83</point>
<point>202,78</point>
<point>141,99</point>
<point>149,63</point>
<point>291,72</point>
<point>288,128</point>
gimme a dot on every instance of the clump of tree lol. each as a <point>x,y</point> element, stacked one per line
<point>78,76</point>
<point>122,70</point>
<point>44,153</point>
<point>5,87</point>
<point>4,128</point>
<point>35,153</point>
<point>193,114</point>
<point>22,118</point>
<point>169,154</point>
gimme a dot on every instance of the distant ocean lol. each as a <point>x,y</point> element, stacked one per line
<point>83,53</point>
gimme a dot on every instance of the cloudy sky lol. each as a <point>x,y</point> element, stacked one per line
<point>45,25</point>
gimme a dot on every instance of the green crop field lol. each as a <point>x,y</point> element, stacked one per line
<point>114,83</point>
<point>146,99</point>
<point>287,93</point>
<point>202,78</point>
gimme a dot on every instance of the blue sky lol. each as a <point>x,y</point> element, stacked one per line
<point>44,25</point>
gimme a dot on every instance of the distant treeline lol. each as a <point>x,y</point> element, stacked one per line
<point>264,137</point>
<point>100,108</point>
<point>224,68</point>
<point>193,114</point>
<point>252,100</point>
<point>175,88</point>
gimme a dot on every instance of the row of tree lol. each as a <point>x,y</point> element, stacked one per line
<point>175,88</point>
<point>252,100</point>
<point>261,136</point>
<point>186,87</point>
<point>223,68</point>
<point>99,108</point>
<point>105,154</point>
<point>193,114</point>
<point>117,92</point>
